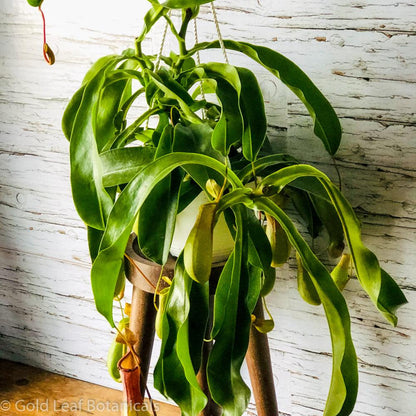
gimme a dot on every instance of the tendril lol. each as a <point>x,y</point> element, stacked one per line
<point>47,51</point>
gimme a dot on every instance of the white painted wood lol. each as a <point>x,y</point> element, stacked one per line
<point>362,55</point>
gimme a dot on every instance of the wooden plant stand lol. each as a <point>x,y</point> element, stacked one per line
<point>142,323</point>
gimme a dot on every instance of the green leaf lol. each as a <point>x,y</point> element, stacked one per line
<point>94,240</point>
<point>258,166</point>
<point>229,128</point>
<point>152,92</point>
<point>124,74</point>
<point>326,124</point>
<point>344,381</point>
<point>105,268</point>
<point>90,197</point>
<point>110,102</point>
<point>151,17</point>
<point>125,135</point>
<point>303,205</point>
<point>329,218</point>
<point>312,186</point>
<point>157,218</point>
<point>255,287</point>
<point>230,199</point>
<point>252,108</point>
<point>196,138</point>
<point>181,4</point>
<point>189,191</point>
<point>35,3</point>
<point>120,121</point>
<point>163,121</point>
<point>119,166</point>
<point>71,111</point>
<point>175,372</point>
<point>231,328</point>
<point>372,278</point>
<point>158,213</point>
<point>198,323</point>
<point>306,288</point>
<point>260,253</point>
<point>268,281</point>
<point>173,90</point>
<point>72,108</point>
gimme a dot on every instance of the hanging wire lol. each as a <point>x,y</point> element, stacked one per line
<point>162,44</point>
<point>198,60</point>
<point>159,55</point>
<point>220,39</point>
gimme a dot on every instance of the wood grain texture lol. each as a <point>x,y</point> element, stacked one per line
<point>363,57</point>
<point>34,392</point>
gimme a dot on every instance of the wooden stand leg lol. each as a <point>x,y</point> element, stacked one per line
<point>142,323</point>
<point>260,369</point>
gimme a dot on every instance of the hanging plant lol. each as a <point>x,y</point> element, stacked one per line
<point>205,130</point>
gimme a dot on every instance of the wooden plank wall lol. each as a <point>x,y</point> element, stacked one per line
<point>361,54</point>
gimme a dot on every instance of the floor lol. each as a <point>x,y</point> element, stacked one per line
<point>29,391</point>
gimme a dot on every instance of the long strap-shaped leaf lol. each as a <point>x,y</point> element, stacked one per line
<point>344,382</point>
<point>111,99</point>
<point>326,124</point>
<point>230,126</point>
<point>196,138</point>
<point>175,374</point>
<point>90,197</point>
<point>157,215</point>
<point>125,135</point>
<point>105,268</point>
<point>72,108</point>
<point>263,163</point>
<point>254,115</point>
<point>231,329</point>
<point>382,289</point>
<point>121,165</point>
<point>259,253</point>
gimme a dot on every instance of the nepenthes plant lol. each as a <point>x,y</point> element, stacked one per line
<point>205,130</point>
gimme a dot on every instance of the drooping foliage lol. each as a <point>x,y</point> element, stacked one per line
<point>206,123</point>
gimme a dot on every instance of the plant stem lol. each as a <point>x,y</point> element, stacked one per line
<point>182,32</point>
<point>138,47</point>
<point>187,17</point>
<point>220,194</point>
